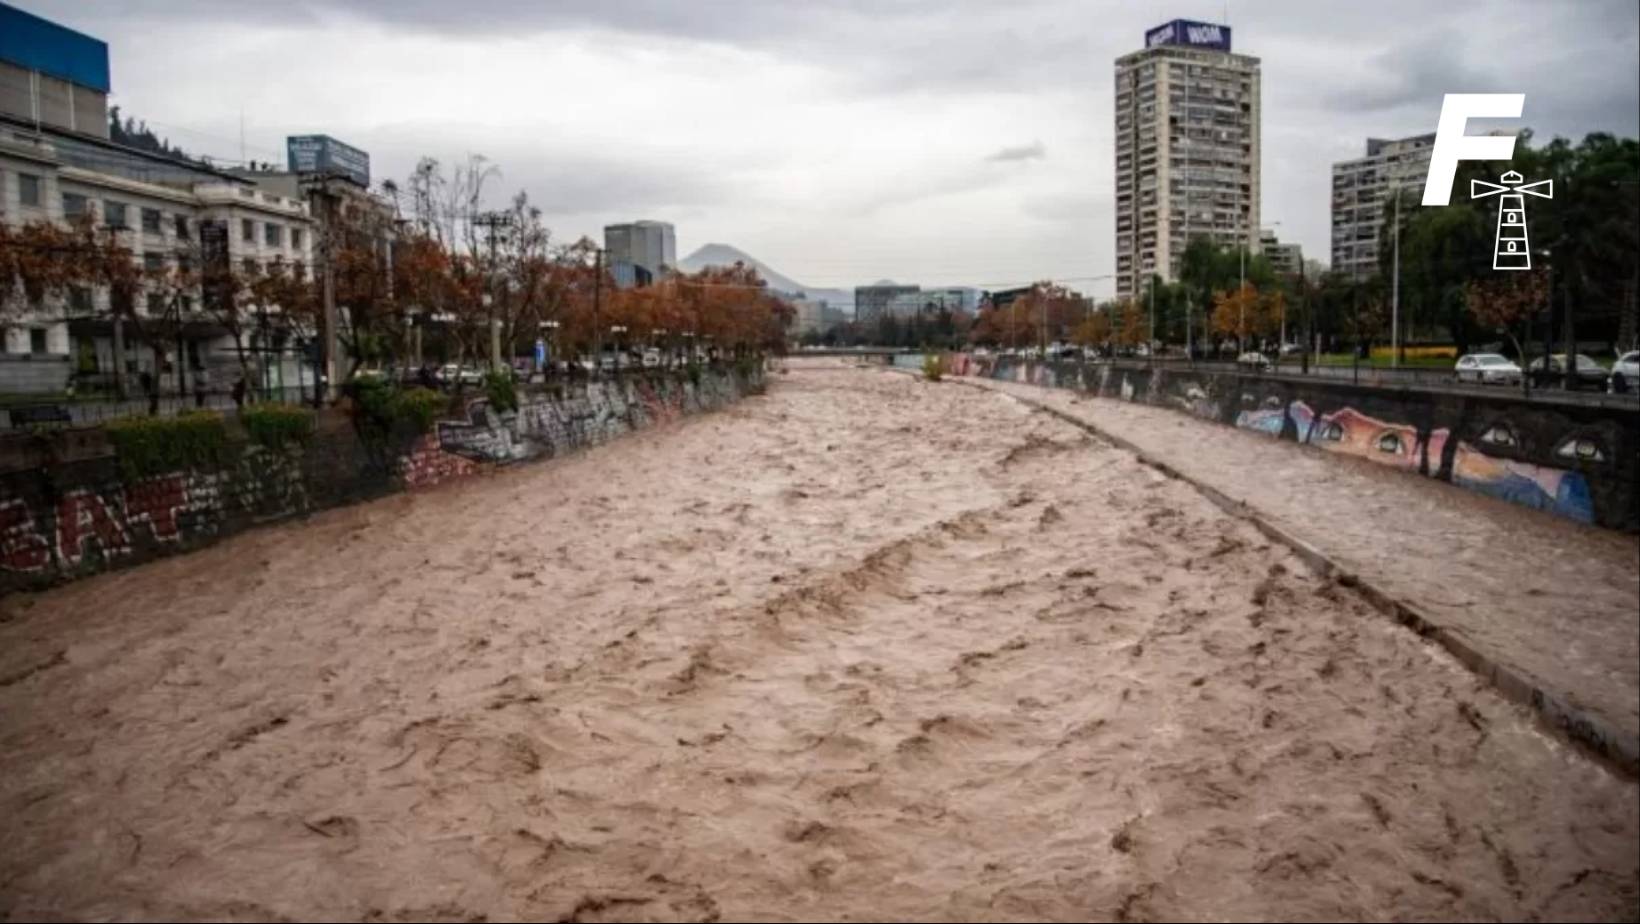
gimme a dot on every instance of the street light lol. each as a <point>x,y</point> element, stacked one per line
<point>615,331</point>
<point>549,333</point>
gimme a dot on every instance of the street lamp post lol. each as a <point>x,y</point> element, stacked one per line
<point>615,331</point>
<point>1395,291</point>
<point>549,333</point>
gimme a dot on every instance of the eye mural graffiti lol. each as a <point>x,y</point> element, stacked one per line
<point>1578,462</point>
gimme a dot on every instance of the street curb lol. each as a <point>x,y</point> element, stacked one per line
<point>1588,732</point>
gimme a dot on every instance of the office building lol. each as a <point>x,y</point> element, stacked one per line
<point>873,302</point>
<point>1363,189</point>
<point>640,252</point>
<point>1187,150</point>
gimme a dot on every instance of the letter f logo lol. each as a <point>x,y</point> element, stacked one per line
<point>1452,145</point>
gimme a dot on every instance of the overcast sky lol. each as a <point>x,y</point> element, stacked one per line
<point>963,142</point>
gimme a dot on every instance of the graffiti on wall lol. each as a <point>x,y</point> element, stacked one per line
<point>1491,463</point>
<point>88,525</point>
<point>546,425</point>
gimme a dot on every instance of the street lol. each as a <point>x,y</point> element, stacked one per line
<point>863,648</point>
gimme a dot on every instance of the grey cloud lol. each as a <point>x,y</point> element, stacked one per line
<point>1411,74</point>
<point>1036,150</point>
<point>1334,74</point>
<point>561,179</point>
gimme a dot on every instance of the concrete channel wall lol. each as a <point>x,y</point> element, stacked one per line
<point>1575,460</point>
<point>67,511</point>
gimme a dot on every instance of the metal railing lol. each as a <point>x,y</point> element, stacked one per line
<point>84,412</point>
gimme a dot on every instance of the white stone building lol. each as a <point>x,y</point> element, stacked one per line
<point>158,208</point>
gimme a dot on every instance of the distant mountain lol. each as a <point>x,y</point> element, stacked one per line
<point>725,255</point>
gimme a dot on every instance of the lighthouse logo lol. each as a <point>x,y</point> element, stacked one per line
<point>1510,249</point>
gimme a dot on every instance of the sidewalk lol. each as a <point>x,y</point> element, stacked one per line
<point>1554,602</point>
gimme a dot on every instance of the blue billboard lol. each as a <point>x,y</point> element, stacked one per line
<point>325,155</point>
<point>1190,33</point>
<point>36,44</point>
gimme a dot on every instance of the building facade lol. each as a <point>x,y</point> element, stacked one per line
<point>1285,259</point>
<point>1362,189</point>
<point>873,302</point>
<point>640,252</point>
<point>179,219</point>
<point>1187,150</point>
<point>51,75</point>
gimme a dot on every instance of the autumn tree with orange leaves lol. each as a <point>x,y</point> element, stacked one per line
<point>1507,303</point>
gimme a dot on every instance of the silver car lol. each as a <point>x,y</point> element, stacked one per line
<point>1628,366</point>
<point>1487,369</point>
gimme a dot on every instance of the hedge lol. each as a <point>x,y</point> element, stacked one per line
<point>278,425</point>
<point>148,446</point>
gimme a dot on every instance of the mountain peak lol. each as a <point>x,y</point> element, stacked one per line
<point>728,255</point>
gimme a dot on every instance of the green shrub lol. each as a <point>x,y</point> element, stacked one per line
<point>748,365</point>
<point>148,446</point>
<point>278,425</point>
<point>933,367</point>
<point>418,408</point>
<point>382,411</point>
<point>498,384</point>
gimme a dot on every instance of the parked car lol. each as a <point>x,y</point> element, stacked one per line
<point>1255,360</point>
<point>651,358</point>
<point>1625,374</point>
<point>1587,369</point>
<point>451,373</point>
<point>1487,369</point>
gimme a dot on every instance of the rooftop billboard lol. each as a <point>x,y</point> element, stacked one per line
<point>324,154</point>
<point>1191,33</point>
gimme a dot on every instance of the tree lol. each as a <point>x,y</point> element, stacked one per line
<point>1095,330</point>
<point>1135,326</point>
<point>1507,302</point>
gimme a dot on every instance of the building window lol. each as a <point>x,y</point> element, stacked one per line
<point>273,235</point>
<point>28,189</point>
<point>156,303</point>
<point>299,270</point>
<point>247,230</point>
<point>182,227</point>
<point>185,263</point>
<point>74,206</point>
<point>153,263</point>
<point>248,266</point>
<point>37,340</point>
<point>114,214</point>
<point>150,221</point>
<point>296,238</point>
<point>79,300</point>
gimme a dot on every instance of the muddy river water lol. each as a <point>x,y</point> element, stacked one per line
<point>862,648</point>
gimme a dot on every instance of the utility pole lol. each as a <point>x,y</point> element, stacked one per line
<point>1309,327</point>
<point>1395,292</point>
<point>597,296</point>
<point>1150,345</point>
<point>321,202</point>
<point>492,222</point>
<point>1044,329</point>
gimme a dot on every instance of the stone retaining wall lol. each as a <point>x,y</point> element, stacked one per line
<point>66,509</point>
